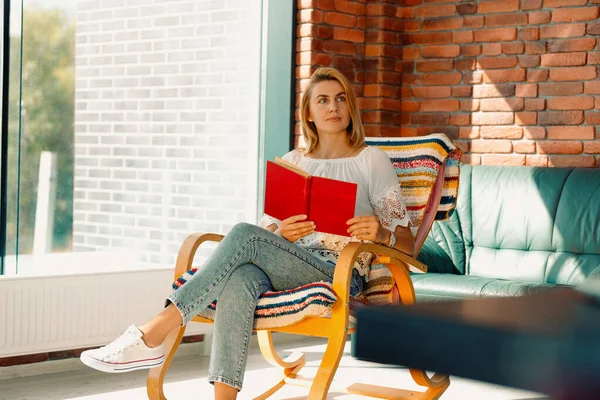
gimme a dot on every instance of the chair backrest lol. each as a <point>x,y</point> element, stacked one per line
<point>428,173</point>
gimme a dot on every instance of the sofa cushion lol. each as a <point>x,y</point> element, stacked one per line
<point>436,287</point>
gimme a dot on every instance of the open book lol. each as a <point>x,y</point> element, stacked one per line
<point>290,191</point>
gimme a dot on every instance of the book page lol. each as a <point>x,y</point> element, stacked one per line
<point>291,167</point>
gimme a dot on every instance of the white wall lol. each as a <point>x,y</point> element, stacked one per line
<point>166,122</point>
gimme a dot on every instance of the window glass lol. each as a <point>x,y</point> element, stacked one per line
<point>132,124</point>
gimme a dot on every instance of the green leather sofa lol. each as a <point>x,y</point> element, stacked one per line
<point>516,230</point>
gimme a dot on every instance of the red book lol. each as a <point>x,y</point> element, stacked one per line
<point>290,191</point>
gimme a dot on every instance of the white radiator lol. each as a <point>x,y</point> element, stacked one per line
<point>43,314</point>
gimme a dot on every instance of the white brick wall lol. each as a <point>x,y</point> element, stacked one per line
<point>165,122</point>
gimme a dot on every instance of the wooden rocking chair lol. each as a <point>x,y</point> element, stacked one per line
<point>336,327</point>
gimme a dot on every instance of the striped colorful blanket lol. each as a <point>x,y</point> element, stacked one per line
<point>417,161</point>
<point>288,307</point>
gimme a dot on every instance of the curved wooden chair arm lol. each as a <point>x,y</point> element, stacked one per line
<point>185,257</point>
<point>343,271</point>
<point>393,258</point>
<point>348,256</point>
<point>385,255</point>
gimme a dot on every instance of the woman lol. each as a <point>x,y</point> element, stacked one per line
<point>280,255</point>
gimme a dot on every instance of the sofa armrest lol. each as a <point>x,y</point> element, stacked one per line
<point>436,258</point>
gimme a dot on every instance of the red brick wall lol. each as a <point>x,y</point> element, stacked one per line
<point>362,40</point>
<point>513,82</point>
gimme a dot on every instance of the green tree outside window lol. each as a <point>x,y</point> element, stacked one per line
<point>47,112</point>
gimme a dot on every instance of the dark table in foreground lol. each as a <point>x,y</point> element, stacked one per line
<point>547,343</point>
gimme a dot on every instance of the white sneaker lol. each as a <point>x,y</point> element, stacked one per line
<point>127,353</point>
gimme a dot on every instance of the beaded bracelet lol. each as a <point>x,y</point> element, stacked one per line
<point>392,242</point>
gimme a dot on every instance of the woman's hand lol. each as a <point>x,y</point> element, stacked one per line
<point>368,228</point>
<point>293,228</point>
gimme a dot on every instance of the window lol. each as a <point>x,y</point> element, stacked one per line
<point>132,123</point>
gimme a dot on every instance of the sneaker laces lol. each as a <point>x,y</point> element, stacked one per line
<point>114,350</point>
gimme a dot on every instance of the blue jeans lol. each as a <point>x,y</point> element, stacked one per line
<point>248,262</point>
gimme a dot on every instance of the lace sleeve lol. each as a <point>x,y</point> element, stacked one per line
<point>390,209</point>
<point>267,220</point>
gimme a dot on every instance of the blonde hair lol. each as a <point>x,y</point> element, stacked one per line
<point>355,130</point>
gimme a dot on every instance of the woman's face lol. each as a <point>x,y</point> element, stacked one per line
<point>328,107</point>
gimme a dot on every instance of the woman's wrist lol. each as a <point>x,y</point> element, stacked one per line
<point>390,240</point>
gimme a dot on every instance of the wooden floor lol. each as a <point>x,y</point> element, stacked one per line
<point>69,379</point>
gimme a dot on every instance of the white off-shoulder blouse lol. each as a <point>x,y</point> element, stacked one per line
<point>378,194</point>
